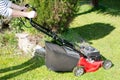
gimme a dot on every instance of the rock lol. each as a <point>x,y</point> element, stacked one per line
<point>26,43</point>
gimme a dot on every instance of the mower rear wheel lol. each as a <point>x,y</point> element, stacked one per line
<point>78,71</point>
<point>107,64</point>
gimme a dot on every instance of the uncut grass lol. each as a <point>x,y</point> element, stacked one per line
<point>99,29</point>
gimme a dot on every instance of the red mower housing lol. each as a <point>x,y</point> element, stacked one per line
<point>89,66</point>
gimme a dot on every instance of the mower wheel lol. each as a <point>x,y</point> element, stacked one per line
<point>78,71</point>
<point>107,64</point>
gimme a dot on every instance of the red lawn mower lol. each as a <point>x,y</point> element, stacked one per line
<point>63,56</point>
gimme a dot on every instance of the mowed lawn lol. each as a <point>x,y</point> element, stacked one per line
<point>99,27</point>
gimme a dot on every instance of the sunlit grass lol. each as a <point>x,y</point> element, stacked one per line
<point>99,29</point>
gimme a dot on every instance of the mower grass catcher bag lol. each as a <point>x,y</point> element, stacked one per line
<point>60,58</point>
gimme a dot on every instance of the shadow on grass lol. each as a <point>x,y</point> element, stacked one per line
<point>112,7</point>
<point>31,64</point>
<point>88,32</point>
<point>105,7</point>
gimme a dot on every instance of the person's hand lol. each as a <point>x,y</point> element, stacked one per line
<point>32,14</point>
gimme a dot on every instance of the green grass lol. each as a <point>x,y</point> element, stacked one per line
<point>99,27</point>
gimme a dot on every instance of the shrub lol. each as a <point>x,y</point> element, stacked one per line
<point>54,14</point>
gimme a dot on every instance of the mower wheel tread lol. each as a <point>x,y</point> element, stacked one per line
<point>78,71</point>
<point>107,64</point>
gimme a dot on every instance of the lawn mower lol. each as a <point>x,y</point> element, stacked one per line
<point>64,56</point>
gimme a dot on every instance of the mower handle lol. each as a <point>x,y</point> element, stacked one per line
<point>49,32</point>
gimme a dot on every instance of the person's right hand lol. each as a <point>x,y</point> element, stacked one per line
<point>31,14</point>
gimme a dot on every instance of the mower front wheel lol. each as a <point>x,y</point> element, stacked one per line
<point>107,64</point>
<point>78,71</point>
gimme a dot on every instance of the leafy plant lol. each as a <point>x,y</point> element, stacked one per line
<point>54,14</point>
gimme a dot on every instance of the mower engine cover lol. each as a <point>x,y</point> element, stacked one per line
<point>90,52</point>
<point>60,58</point>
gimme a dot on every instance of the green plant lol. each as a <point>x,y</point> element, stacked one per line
<point>8,43</point>
<point>54,13</point>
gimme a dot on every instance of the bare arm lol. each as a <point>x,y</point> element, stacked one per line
<point>30,14</point>
<point>17,7</point>
<point>16,11</point>
<point>7,9</point>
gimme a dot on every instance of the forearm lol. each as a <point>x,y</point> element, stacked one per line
<point>16,13</point>
<point>8,9</point>
<point>16,7</point>
<point>30,14</point>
